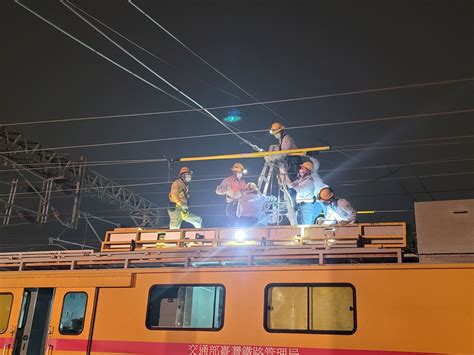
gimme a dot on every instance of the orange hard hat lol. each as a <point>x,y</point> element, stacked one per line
<point>326,194</point>
<point>185,170</point>
<point>307,165</point>
<point>276,128</point>
<point>238,168</point>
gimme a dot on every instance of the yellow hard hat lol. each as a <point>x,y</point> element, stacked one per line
<point>326,194</point>
<point>238,168</point>
<point>307,165</point>
<point>185,170</point>
<point>276,128</point>
<point>251,186</point>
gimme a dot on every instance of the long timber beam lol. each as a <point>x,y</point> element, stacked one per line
<point>291,152</point>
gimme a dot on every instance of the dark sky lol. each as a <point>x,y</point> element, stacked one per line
<point>274,50</point>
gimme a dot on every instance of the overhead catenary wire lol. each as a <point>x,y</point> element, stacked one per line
<point>218,71</point>
<point>212,135</point>
<point>216,179</point>
<point>144,49</point>
<point>170,112</point>
<point>375,166</point>
<point>196,55</point>
<point>43,166</point>
<point>179,91</point>
<point>103,56</point>
<point>96,52</point>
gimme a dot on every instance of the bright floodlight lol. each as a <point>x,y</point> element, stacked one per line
<point>245,171</point>
<point>239,235</point>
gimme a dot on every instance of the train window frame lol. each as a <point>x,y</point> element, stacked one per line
<point>153,327</point>
<point>62,310</point>
<point>308,331</point>
<point>9,312</point>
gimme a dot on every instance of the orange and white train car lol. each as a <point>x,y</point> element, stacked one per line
<point>339,309</point>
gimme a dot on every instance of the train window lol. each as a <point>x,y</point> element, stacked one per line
<point>6,300</point>
<point>73,313</point>
<point>25,303</point>
<point>185,307</point>
<point>310,308</point>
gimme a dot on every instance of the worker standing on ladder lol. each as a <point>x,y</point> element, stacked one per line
<point>232,187</point>
<point>179,197</point>
<point>285,142</point>
<point>304,187</point>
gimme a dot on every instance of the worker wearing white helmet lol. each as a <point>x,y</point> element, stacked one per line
<point>304,187</point>
<point>250,206</point>
<point>336,211</point>
<point>232,187</point>
<point>179,197</point>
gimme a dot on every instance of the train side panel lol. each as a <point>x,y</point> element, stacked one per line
<point>406,309</point>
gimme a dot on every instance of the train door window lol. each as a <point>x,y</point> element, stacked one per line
<point>310,308</point>
<point>73,313</point>
<point>186,307</point>
<point>6,300</point>
<point>25,303</point>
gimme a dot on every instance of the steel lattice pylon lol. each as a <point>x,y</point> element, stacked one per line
<point>25,155</point>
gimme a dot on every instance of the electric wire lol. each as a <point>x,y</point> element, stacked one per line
<point>109,60</point>
<point>169,112</point>
<point>96,52</point>
<point>406,141</point>
<point>212,135</point>
<point>144,49</point>
<point>204,111</point>
<point>43,166</point>
<point>217,179</point>
<point>203,60</point>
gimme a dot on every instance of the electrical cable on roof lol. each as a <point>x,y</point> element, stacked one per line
<point>169,112</point>
<point>204,111</point>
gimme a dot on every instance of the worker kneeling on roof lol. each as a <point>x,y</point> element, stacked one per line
<point>336,211</point>
<point>304,187</point>
<point>232,187</point>
<point>179,197</point>
<point>250,206</point>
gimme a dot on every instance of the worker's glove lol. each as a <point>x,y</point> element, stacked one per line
<point>234,195</point>
<point>320,221</point>
<point>184,213</point>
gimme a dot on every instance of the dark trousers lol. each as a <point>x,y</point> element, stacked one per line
<point>231,213</point>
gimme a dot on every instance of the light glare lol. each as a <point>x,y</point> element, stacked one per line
<point>239,235</point>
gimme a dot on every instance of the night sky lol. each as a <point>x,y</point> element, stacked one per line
<point>273,50</point>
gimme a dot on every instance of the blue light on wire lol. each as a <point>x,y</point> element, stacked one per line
<point>233,116</point>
